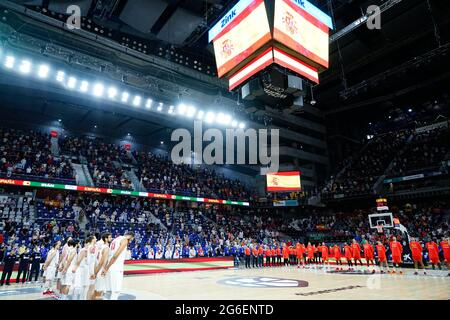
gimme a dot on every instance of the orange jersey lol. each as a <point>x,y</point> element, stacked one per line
<point>433,250</point>
<point>348,252</point>
<point>247,251</point>
<point>300,250</point>
<point>416,249</point>
<point>356,250</point>
<point>446,248</point>
<point>310,250</point>
<point>381,252</point>
<point>324,251</point>
<point>285,252</point>
<point>268,253</point>
<point>260,251</point>
<point>368,251</point>
<point>274,252</point>
<point>278,251</point>
<point>337,252</point>
<point>255,251</point>
<point>396,248</point>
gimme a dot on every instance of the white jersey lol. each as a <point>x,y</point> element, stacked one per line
<point>54,263</point>
<point>113,248</point>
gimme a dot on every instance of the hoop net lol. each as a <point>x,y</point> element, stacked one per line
<point>380,228</point>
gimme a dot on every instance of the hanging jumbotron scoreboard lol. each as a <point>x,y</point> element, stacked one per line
<point>257,33</point>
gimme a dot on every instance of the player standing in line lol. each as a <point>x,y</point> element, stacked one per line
<point>369,254</point>
<point>285,255</point>
<point>114,267</point>
<point>310,250</point>
<point>260,255</point>
<point>433,254</point>
<point>337,256</point>
<point>325,253</point>
<point>102,255</point>
<point>276,256</point>
<point>382,259</point>
<point>91,261</point>
<point>348,255</point>
<point>83,269</point>
<point>66,267</point>
<point>356,253</point>
<point>300,252</point>
<point>62,257</point>
<point>416,251</point>
<point>446,249</point>
<point>268,257</point>
<point>50,267</point>
<point>396,250</point>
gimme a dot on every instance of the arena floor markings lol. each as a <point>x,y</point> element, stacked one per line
<point>285,283</point>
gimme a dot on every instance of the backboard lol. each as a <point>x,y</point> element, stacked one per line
<point>384,219</point>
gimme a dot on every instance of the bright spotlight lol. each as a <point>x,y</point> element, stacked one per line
<point>191,111</point>
<point>160,106</point>
<point>234,124</point>
<point>112,92</point>
<point>71,82</point>
<point>43,71</point>
<point>9,62</point>
<point>182,108</point>
<point>170,111</point>
<point>200,115</point>
<point>25,66</point>
<point>84,86</point>
<point>148,104</point>
<point>224,119</point>
<point>137,101</point>
<point>242,125</point>
<point>60,76</point>
<point>125,96</point>
<point>98,90</point>
<point>210,116</point>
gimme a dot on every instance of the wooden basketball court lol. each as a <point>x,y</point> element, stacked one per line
<point>284,283</point>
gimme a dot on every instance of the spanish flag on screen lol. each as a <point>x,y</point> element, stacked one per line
<point>283,181</point>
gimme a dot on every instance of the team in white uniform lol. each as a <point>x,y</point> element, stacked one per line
<point>88,272</point>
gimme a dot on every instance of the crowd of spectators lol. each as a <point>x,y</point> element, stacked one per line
<point>360,176</point>
<point>104,160</point>
<point>166,232</point>
<point>29,153</point>
<point>159,174</point>
<point>426,151</point>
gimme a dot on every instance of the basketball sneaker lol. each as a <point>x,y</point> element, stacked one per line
<point>416,273</point>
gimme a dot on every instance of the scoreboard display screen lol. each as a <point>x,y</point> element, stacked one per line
<point>242,31</point>
<point>283,181</point>
<point>303,28</point>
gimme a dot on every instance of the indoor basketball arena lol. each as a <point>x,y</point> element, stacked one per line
<point>251,150</point>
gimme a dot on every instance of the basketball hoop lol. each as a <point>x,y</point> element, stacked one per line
<point>380,228</point>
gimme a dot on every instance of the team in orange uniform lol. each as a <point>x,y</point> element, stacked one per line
<point>416,251</point>
<point>325,253</point>
<point>348,254</point>
<point>356,252</point>
<point>260,256</point>
<point>396,250</point>
<point>382,259</point>
<point>433,254</point>
<point>369,254</point>
<point>446,249</point>
<point>254,257</point>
